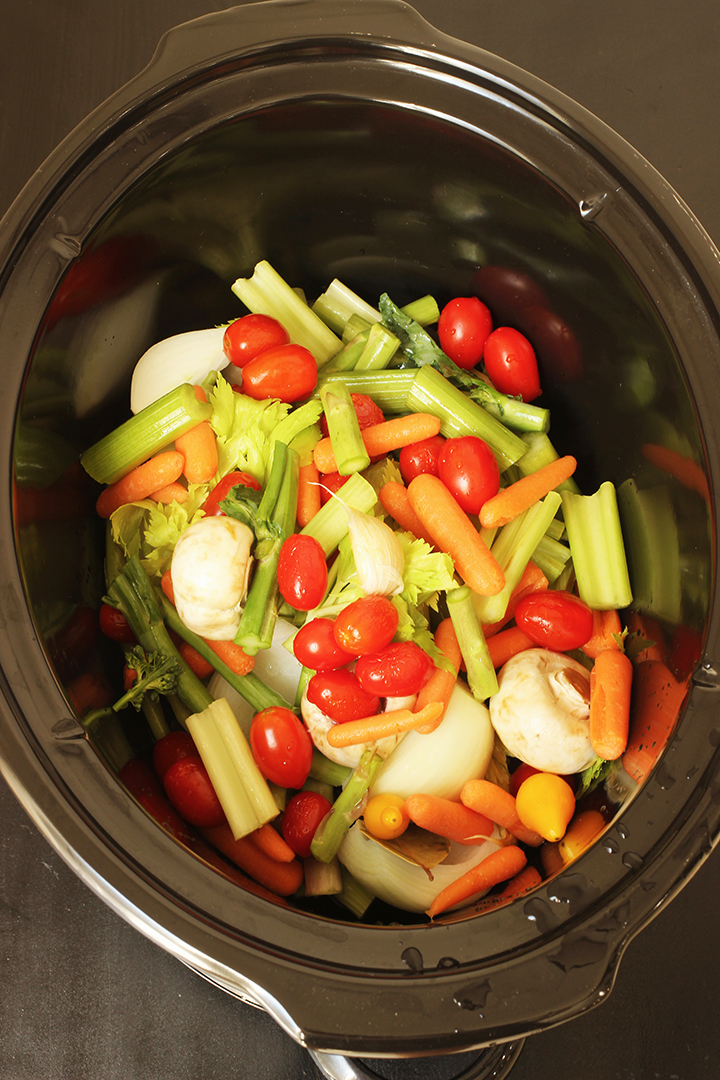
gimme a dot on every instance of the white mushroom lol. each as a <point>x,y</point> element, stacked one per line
<point>541,711</point>
<point>210,570</point>
<point>318,724</point>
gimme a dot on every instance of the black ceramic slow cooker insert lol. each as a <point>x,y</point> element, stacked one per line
<point>363,145</point>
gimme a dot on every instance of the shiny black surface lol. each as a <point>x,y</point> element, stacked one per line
<point>76,1047</point>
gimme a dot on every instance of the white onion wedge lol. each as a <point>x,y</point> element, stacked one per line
<point>183,358</point>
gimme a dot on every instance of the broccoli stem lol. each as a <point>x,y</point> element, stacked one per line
<point>332,831</point>
<point>344,429</point>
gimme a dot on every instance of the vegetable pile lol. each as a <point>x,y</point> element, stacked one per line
<point>372,624</point>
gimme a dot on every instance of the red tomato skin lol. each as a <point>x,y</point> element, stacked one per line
<point>301,818</point>
<point>421,457</point>
<point>367,411</point>
<point>367,625</point>
<point>114,625</point>
<point>340,696</point>
<point>399,670</point>
<point>247,337</point>
<point>330,485</point>
<point>287,372</point>
<point>173,747</point>
<point>281,746</point>
<point>511,363</point>
<point>521,773</point>
<point>188,787</point>
<point>554,619</point>
<point>211,506</point>
<point>315,647</point>
<point>302,572</point>
<point>469,469</point>
<point>463,328</point>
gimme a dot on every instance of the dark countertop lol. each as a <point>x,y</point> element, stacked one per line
<point>82,994</point>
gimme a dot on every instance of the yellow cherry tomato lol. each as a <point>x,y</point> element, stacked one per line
<point>581,832</point>
<point>545,803</point>
<point>385,817</point>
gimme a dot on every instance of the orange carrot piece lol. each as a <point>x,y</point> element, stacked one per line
<point>454,533</point>
<point>197,663</point>
<point>167,586</point>
<point>199,448</point>
<point>610,688</point>
<point>381,725</point>
<point>499,805</point>
<point>680,467</point>
<point>283,878</point>
<point>232,656</point>
<point>507,644</point>
<point>528,878</point>
<point>382,438</point>
<point>140,482</point>
<point>269,840</point>
<point>657,699</point>
<point>605,625</point>
<point>170,493</point>
<point>531,580</point>
<point>309,499</point>
<point>502,864</point>
<point>441,683</point>
<point>396,502</point>
<point>444,817</point>
<point>525,492</point>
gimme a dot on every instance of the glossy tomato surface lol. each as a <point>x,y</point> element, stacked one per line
<point>302,572</point>
<point>251,335</point>
<point>301,818</point>
<point>421,457</point>
<point>211,506</point>
<point>281,746</point>
<point>366,625</point>
<point>367,411</point>
<point>315,646</point>
<point>114,625</point>
<point>554,619</point>
<point>511,363</point>
<point>469,470</point>
<point>287,372</point>
<point>330,484</point>
<point>463,328</point>
<point>399,670</point>
<point>173,747</point>
<point>340,696</point>
<point>190,791</point>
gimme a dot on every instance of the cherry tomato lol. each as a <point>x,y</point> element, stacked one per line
<point>315,646</point>
<point>287,372</point>
<point>211,506</point>
<point>301,818</point>
<point>281,746</point>
<point>421,457</point>
<point>469,469</point>
<point>302,572</point>
<point>545,803</point>
<point>556,346</point>
<point>385,816</point>
<point>400,669</point>
<point>251,335</point>
<point>330,485</point>
<point>173,747</point>
<point>114,625</point>
<point>188,787</point>
<point>140,780</point>
<point>511,363</point>
<point>463,328</point>
<point>554,619</point>
<point>368,413</point>
<point>367,625</point>
<point>340,696</point>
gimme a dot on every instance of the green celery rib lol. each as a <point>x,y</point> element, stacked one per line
<point>144,434</point>
<point>379,350</point>
<point>354,896</point>
<point>344,429</point>
<point>551,557</point>
<point>482,679</point>
<point>388,389</point>
<point>267,293</point>
<point>424,310</point>
<point>597,547</point>
<point>540,451</point>
<point>338,303</point>
<point>330,523</point>
<point>325,771</point>
<point>348,356</point>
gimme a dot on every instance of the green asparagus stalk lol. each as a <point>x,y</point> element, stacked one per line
<point>332,831</point>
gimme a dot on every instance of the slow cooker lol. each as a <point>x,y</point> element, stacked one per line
<point>472,163</point>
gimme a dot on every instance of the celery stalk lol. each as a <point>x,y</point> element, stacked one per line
<point>267,293</point>
<point>322,879</point>
<point>423,311</point>
<point>354,326</point>
<point>482,679</point>
<point>338,303</point>
<point>333,829</point>
<point>330,523</point>
<point>240,786</point>
<point>325,771</point>
<point>551,557</point>
<point>388,389</point>
<point>354,896</point>
<point>152,429</point>
<point>598,551</point>
<point>540,451</point>
<point>348,356</point>
<point>379,350</point>
<point>344,429</point>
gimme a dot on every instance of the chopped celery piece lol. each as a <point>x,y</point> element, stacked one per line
<point>344,429</point>
<point>540,451</point>
<point>513,547</point>
<point>354,896</point>
<point>423,311</point>
<point>598,551</point>
<point>150,430</point>
<point>333,829</point>
<point>649,521</point>
<point>305,442</point>
<point>348,356</point>
<point>330,523</point>
<point>388,389</point>
<point>551,557</point>
<point>432,392</point>
<point>354,326</point>
<point>481,676</point>
<point>379,349</point>
<point>240,786</point>
<point>267,293</point>
<point>321,879</point>
<point>338,303</point>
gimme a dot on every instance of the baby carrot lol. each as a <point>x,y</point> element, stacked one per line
<point>507,644</point>
<point>309,499</point>
<point>382,438</point>
<point>396,502</point>
<point>446,818</point>
<point>140,482</point>
<point>283,878</point>
<point>610,686</point>
<point>499,805</point>
<point>381,725</point>
<point>232,656</point>
<point>528,878</point>
<point>606,630</point>
<point>454,533</point>
<point>657,699</point>
<point>269,840</point>
<point>170,493</point>
<point>197,663</point>
<point>199,448</point>
<point>525,492</point>
<point>441,683</point>
<point>502,864</point>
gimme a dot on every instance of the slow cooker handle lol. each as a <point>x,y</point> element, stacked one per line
<point>492,1063</point>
